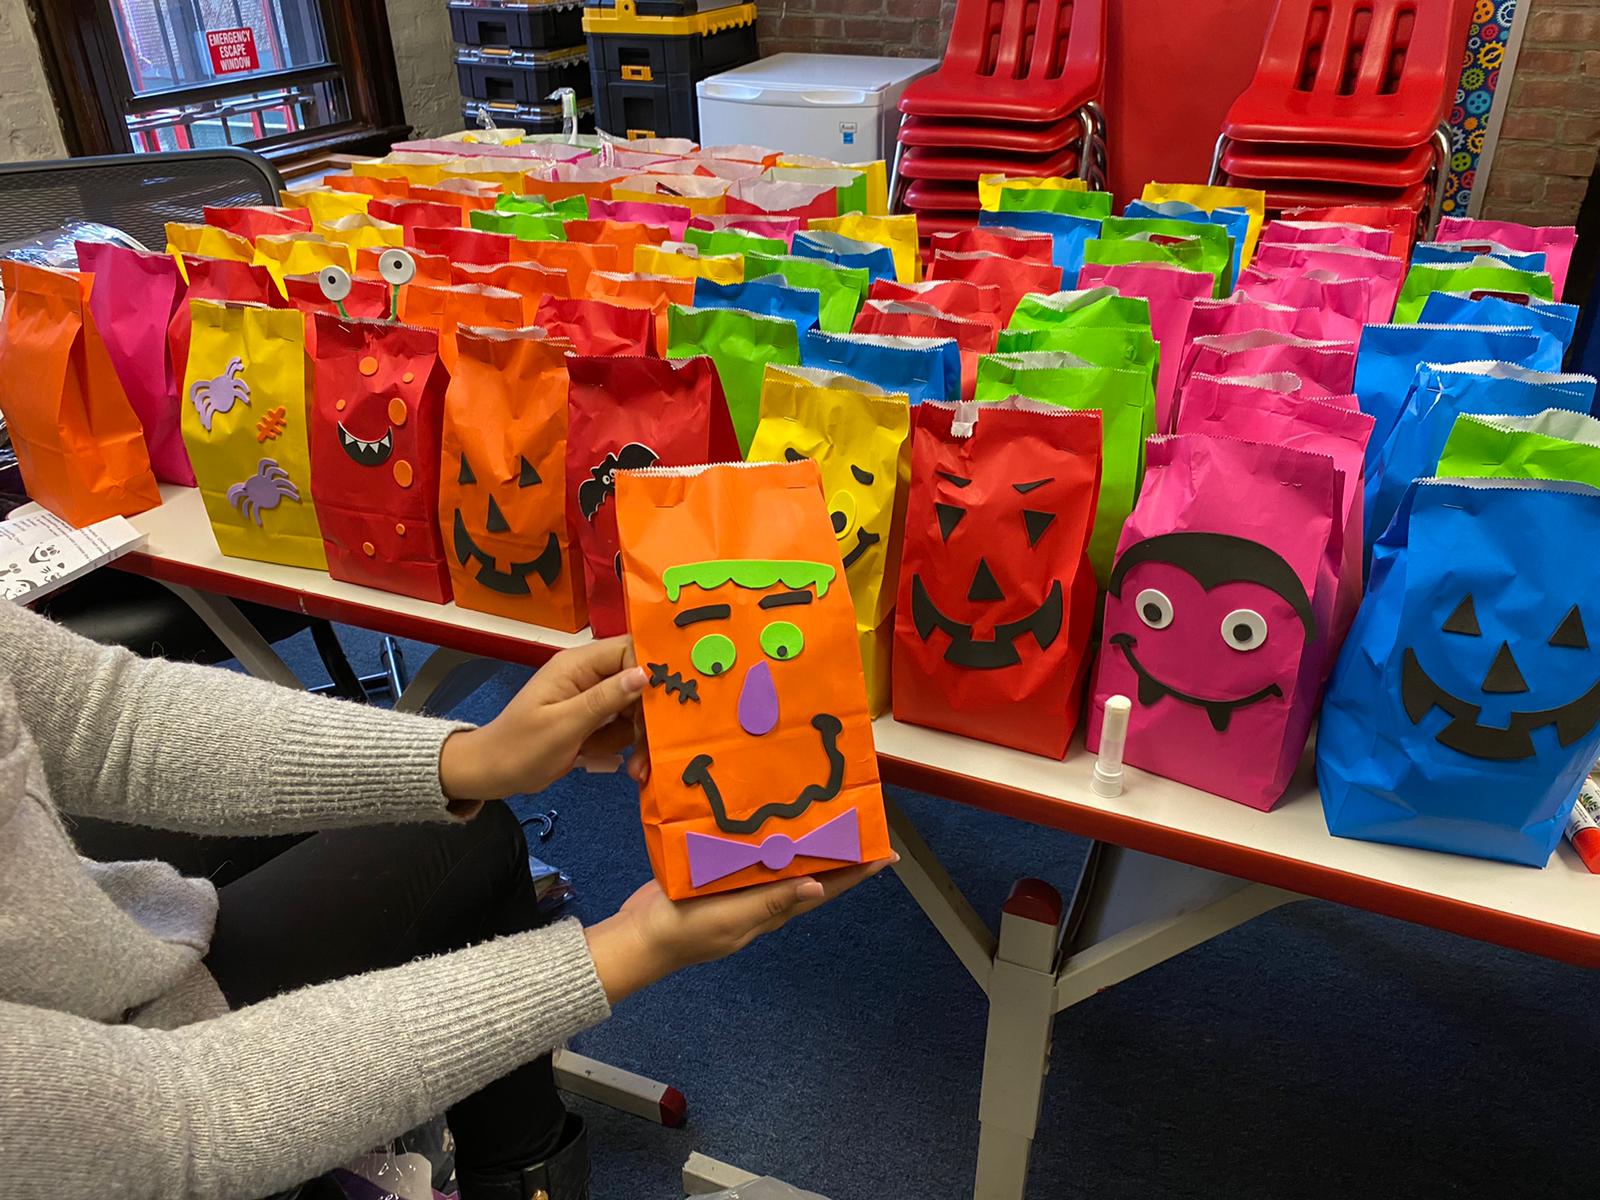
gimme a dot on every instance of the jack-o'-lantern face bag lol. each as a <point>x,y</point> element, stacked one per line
<point>762,764</point>
<point>502,480</point>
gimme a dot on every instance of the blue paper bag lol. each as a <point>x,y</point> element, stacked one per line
<point>1455,252</point>
<point>767,295</point>
<point>877,260</point>
<point>1557,321</point>
<point>1069,233</point>
<point>1440,394</point>
<point>1389,356</point>
<point>1235,220</point>
<point>1464,711</point>
<point>922,368</point>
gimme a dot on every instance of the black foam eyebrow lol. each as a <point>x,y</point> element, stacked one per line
<point>955,479</point>
<point>706,612</point>
<point>784,599</point>
<point>1025,488</point>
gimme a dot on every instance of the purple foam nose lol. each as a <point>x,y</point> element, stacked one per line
<point>758,701</point>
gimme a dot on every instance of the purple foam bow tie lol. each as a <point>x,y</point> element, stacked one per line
<point>713,858</point>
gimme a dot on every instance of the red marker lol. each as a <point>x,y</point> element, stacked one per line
<point>1583,827</point>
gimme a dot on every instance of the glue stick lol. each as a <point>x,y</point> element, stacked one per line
<point>1107,779</point>
<point>1583,827</point>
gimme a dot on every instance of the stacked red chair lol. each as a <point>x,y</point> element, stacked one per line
<point>1016,94</point>
<point>1347,105</point>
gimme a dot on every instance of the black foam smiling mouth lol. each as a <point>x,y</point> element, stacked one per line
<point>367,454</point>
<point>989,654</point>
<point>1152,689</point>
<point>865,540</point>
<point>1420,695</point>
<point>698,774</point>
<point>513,581</point>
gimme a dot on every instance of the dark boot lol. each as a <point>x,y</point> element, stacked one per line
<point>562,1176</point>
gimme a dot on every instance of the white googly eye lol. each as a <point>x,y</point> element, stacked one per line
<point>1153,607</point>
<point>1244,629</point>
<point>334,282</point>
<point>397,267</point>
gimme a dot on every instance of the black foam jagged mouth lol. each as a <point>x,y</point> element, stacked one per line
<point>1421,695</point>
<point>1044,623</point>
<point>698,774</point>
<point>368,454</point>
<point>513,581</point>
<point>1151,689</point>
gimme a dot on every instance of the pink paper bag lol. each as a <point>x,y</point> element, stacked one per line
<point>1556,242</point>
<point>133,300</point>
<point>1215,627</point>
<point>1171,292</point>
<point>1385,272</point>
<point>1333,307</point>
<point>1237,314</point>
<point>672,217</point>
<point>1325,368</point>
<point>1327,233</point>
<point>782,228</point>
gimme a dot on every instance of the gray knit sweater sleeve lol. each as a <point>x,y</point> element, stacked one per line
<point>184,747</point>
<point>253,1101</point>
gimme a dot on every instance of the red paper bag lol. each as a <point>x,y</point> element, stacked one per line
<point>252,220</point>
<point>958,297</point>
<point>1014,279</point>
<point>461,245</point>
<point>412,214</point>
<point>596,328</point>
<point>628,412</point>
<point>1025,245</point>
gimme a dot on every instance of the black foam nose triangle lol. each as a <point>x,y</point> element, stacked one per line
<point>1463,620</point>
<point>984,585</point>
<point>497,519</point>
<point>1503,676</point>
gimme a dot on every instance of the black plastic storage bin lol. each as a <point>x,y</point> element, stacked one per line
<point>634,110</point>
<point>673,59</point>
<point>517,25</point>
<point>521,76</point>
<point>528,117</point>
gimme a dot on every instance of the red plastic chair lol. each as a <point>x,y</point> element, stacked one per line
<point>1240,161</point>
<point>1281,197</point>
<point>1015,60</point>
<point>1016,139</point>
<point>949,164</point>
<point>1367,73</point>
<point>939,196</point>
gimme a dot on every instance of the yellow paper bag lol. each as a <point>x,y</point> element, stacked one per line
<point>876,171</point>
<point>207,241</point>
<point>244,424</point>
<point>701,196</point>
<point>300,254</point>
<point>1212,197</point>
<point>858,436</point>
<point>505,174</point>
<point>359,231</point>
<point>426,169</point>
<point>659,260</point>
<point>327,204</point>
<point>990,186</point>
<point>897,233</point>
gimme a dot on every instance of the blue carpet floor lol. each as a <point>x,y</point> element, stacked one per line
<point>1318,1053</point>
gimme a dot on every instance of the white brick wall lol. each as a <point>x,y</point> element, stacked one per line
<point>28,125</point>
<point>425,57</point>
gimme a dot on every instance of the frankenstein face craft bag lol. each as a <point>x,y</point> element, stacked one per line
<point>762,764</point>
<point>1464,712</point>
<point>996,592</point>
<point>245,421</point>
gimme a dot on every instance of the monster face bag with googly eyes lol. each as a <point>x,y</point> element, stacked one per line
<point>762,764</point>
<point>245,413</point>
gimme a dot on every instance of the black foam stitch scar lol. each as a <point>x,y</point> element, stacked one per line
<point>602,481</point>
<point>684,689</point>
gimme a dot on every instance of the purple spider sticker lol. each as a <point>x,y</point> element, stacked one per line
<point>212,397</point>
<point>264,490</point>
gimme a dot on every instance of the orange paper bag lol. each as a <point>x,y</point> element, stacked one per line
<point>502,480</point>
<point>446,308</point>
<point>80,446</point>
<point>762,765</point>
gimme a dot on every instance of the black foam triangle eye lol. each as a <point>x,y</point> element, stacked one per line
<point>1570,633</point>
<point>790,454</point>
<point>1463,620</point>
<point>526,475</point>
<point>1036,522</point>
<point>466,475</point>
<point>497,519</point>
<point>949,516</point>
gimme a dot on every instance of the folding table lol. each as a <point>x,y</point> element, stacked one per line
<point>1169,867</point>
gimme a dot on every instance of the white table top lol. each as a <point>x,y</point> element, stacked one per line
<point>1555,911</point>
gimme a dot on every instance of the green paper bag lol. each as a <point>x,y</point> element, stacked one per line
<point>1218,243</point>
<point>1126,402</point>
<point>525,226</point>
<point>1481,275</point>
<point>1096,324</point>
<point>1554,444</point>
<point>741,344</point>
<point>1190,254</point>
<point>569,208</point>
<point>1094,205</point>
<point>732,241</point>
<point>842,288</point>
<point>1100,307</point>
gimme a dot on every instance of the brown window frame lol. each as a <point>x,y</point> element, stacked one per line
<point>83,62</point>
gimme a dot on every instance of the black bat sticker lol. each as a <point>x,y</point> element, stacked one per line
<point>602,482</point>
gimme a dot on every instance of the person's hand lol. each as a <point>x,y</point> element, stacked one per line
<point>652,936</point>
<point>575,709</point>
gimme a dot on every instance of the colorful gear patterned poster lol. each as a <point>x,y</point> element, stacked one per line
<point>1469,116</point>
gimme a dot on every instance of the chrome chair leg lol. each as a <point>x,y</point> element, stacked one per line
<point>1441,143</point>
<point>1215,175</point>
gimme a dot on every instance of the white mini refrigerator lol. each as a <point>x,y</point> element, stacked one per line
<point>845,107</point>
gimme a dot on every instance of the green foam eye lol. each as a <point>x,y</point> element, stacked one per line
<point>782,640</point>
<point>713,654</point>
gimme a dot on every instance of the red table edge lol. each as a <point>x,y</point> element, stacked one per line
<point>1228,858</point>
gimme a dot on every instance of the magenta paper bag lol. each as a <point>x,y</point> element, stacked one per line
<point>1555,242</point>
<point>1237,314</point>
<point>1331,307</point>
<point>1385,272</point>
<point>1214,627</point>
<point>781,228</point>
<point>134,297</point>
<point>1304,423</point>
<point>1327,233</point>
<point>1325,368</point>
<point>674,218</point>
<point>1171,293</point>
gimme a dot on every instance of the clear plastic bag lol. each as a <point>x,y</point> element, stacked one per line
<point>58,248</point>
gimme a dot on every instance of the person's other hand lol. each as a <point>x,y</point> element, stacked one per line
<point>652,936</point>
<point>575,709</point>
